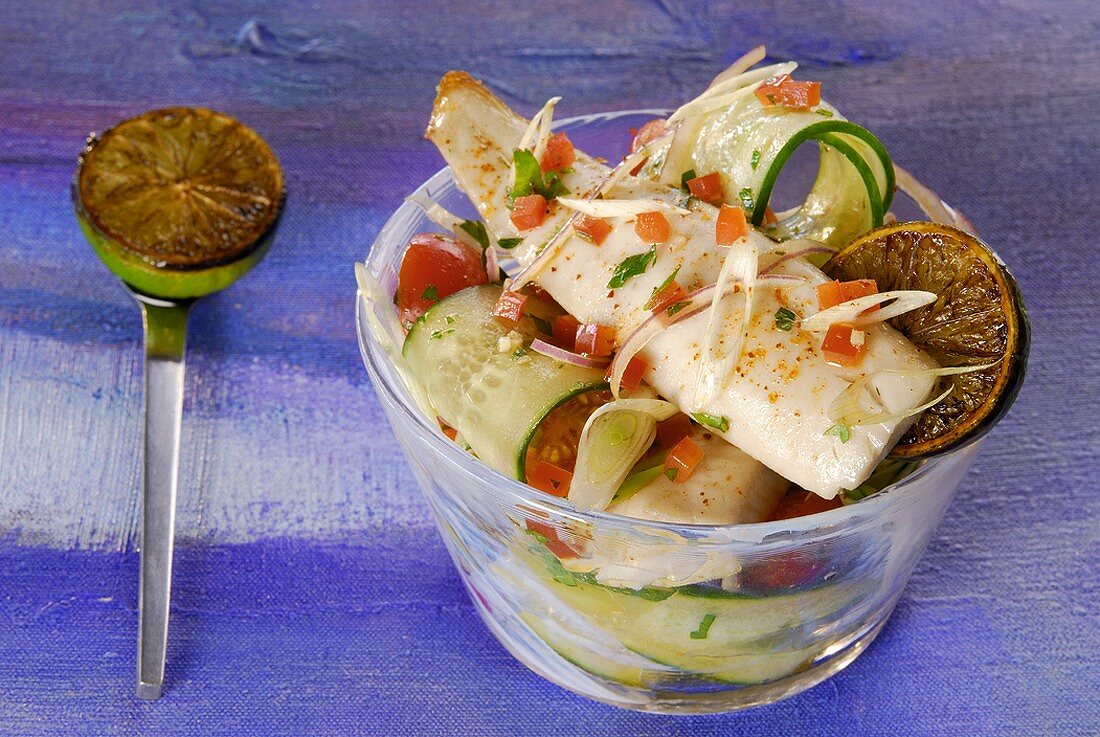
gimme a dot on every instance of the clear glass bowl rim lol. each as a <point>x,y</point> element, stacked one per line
<point>516,493</point>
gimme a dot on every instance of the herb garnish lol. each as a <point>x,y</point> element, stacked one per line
<point>530,179</point>
<point>631,267</point>
<point>671,473</point>
<point>509,243</point>
<point>840,430</point>
<point>746,198</point>
<point>673,309</point>
<point>755,160</point>
<point>824,113</point>
<point>704,628</point>
<point>686,177</point>
<point>430,292</point>
<point>718,423</point>
<point>661,287</point>
<point>784,319</point>
<point>438,334</point>
<point>477,231</point>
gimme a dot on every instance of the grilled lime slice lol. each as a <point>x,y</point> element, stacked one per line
<point>978,319</point>
<point>179,202</point>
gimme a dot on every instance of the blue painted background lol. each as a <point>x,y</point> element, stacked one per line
<point>312,596</point>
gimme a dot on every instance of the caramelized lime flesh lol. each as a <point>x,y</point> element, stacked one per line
<point>172,198</point>
<point>978,319</point>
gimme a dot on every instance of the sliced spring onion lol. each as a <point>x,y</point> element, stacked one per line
<point>619,208</point>
<point>538,130</point>
<point>718,364</point>
<point>850,406</point>
<point>613,439</point>
<point>902,301</point>
<point>560,354</point>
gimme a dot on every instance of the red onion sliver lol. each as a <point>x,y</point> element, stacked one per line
<point>492,266</point>
<point>800,253</point>
<point>649,328</point>
<point>538,345</point>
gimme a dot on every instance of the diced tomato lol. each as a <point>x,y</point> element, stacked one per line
<point>668,296</point>
<point>549,478</point>
<point>554,543</point>
<point>632,374</point>
<point>595,340</point>
<point>673,430</point>
<point>510,306</point>
<point>707,188</point>
<point>529,212</point>
<point>565,331</point>
<point>799,503</point>
<point>649,132</point>
<point>449,431</point>
<point>784,571</point>
<point>541,294</point>
<point>682,460</point>
<point>652,227</point>
<point>833,293</point>
<point>592,229</point>
<point>784,92</point>
<point>730,226</point>
<point>433,267</point>
<point>844,344</point>
<point>769,216</point>
<point>559,153</point>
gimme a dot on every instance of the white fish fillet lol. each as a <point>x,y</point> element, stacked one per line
<point>777,402</point>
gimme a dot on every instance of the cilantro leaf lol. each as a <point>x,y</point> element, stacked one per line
<point>840,430</point>
<point>477,231</point>
<point>784,319</point>
<point>704,628</point>
<point>686,177</point>
<point>631,267</point>
<point>509,243</point>
<point>529,178</point>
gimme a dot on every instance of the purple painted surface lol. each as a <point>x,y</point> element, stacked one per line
<point>312,595</point>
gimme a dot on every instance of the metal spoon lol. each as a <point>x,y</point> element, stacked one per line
<point>166,294</point>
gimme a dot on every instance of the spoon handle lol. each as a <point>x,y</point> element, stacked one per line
<point>165,338</point>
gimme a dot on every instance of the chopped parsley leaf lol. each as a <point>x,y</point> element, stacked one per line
<point>673,309</point>
<point>840,430</point>
<point>661,287</point>
<point>755,160</point>
<point>784,319</point>
<point>671,473</point>
<point>450,319</point>
<point>746,199</point>
<point>824,113</point>
<point>529,178</point>
<point>438,334</point>
<point>704,628</point>
<point>718,423</point>
<point>430,292</point>
<point>685,178</point>
<point>509,243</point>
<point>476,230</point>
<point>631,267</point>
<point>519,352</point>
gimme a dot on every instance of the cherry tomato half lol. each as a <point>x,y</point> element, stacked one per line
<point>435,266</point>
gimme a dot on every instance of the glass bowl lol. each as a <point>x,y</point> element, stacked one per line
<point>644,615</point>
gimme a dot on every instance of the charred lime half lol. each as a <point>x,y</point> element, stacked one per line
<point>978,319</point>
<point>179,202</point>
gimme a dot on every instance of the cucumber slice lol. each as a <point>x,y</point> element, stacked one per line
<point>495,400</point>
<point>749,639</point>
<point>749,145</point>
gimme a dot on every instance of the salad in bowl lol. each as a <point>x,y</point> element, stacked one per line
<point>684,445</point>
